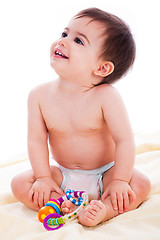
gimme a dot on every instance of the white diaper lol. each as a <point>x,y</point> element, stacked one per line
<point>89,181</point>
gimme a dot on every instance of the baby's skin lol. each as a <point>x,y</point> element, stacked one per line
<point>91,216</point>
<point>84,125</point>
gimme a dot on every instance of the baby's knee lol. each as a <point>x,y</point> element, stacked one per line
<point>147,185</point>
<point>15,185</point>
<point>144,187</point>
<point>22,182</point>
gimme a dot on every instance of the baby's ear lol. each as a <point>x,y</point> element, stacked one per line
<point>105,69</point>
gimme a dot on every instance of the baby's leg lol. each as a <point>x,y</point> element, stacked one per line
<point>139,183</point>
<point>22,183</point>
<point>103,211</point>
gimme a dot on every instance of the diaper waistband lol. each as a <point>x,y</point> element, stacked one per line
<point>100,170</point>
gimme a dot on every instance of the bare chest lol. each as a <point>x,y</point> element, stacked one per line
<point>69,115</point>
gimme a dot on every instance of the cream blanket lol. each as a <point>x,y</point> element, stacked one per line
<point>20,223</point>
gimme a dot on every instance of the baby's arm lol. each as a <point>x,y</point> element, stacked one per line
<point>118,123</point>
<point>39,153</point>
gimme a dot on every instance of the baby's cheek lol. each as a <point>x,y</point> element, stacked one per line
<point>52,48</point>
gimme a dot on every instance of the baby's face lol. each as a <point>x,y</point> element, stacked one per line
<point>79,48</point>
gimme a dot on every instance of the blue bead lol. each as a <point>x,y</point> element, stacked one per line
<point>80,199</point>
<point>68,191</point>
<point>73,201</point>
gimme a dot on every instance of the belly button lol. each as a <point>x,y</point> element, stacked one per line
<point>77,167</point>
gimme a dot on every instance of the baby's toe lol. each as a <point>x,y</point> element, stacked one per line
<point>96,205</point>
<point>67,207</point>
<point>94,214</point>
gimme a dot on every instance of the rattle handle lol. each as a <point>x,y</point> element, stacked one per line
<point>64,198</point>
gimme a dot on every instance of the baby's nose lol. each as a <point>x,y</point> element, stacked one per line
<point>63,41</point>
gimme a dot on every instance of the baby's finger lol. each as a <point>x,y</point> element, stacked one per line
<point>56,188</point>
<point>41,199</point>
<point>104,196</point>
<point>120,203</point>
<point>46,197</point>
<point>132,194</point>
<point>35,199</point>
<point>30,195</point>
<point>114,201</point>
<point>126,202</point>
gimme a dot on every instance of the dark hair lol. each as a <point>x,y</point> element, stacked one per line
<point>119,45</point>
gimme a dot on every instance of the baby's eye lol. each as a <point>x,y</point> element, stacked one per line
<point>64,34</point>
<point>77,40</point>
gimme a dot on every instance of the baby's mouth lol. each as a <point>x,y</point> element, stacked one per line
<point>59,53</point>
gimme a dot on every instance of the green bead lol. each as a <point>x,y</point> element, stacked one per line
<point>61,220</point>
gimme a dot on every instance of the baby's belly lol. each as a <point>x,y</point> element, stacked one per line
<point>81,152</point>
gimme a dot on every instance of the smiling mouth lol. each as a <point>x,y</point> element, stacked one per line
<point>60,54</point>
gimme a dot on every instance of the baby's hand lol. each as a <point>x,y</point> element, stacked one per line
<point>41,190</point>
<point>120,193</point>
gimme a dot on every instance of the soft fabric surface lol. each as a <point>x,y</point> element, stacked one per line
<point>17,222</point>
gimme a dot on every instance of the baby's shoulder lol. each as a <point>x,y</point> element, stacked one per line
<point>41,90</point>
<point>110,97</point>
<point>107,92</point>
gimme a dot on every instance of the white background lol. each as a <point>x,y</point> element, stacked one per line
<point>27,29</point>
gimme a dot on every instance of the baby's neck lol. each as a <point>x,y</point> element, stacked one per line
<point>72,87</point>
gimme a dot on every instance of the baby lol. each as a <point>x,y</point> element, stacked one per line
<point>82,118</point>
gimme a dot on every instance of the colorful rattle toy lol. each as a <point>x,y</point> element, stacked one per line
<point>50,214</point>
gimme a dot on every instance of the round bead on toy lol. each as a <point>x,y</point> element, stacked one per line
<point>50,213</point>
<point>45,211</point>
<point>52,206</point>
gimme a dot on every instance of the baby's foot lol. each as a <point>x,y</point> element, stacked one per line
<point>94,214</point>
<point>67,207</point>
